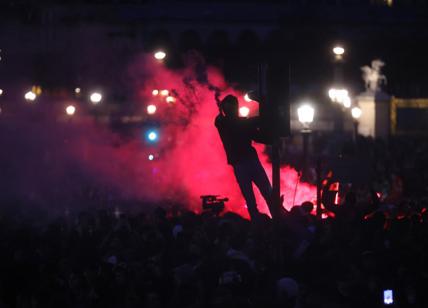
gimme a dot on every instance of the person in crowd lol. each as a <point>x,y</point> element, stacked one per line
<point>237,135</point>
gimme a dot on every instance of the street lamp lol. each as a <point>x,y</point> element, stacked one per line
<point>70,110</point>
<point>305,114</point>
<point>96,98</point>
<point>151,109</point>
<point>356,114</point>
<point>160,55</point>
<point>30,96</point>
<point>347,102</point>
<point>339,95</point>
<point>338,52</point>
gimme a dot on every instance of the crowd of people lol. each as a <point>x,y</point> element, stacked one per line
<point>169,257</point>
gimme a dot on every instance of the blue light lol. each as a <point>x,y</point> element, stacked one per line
<point>152,135</point>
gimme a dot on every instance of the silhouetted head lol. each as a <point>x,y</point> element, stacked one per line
<point>307,207</point>
<point>229,106</point>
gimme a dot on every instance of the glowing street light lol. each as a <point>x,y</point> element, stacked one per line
<point>30,96</point>
<point>356,113</point>
<point>96,98</point>
<point>347,102</point>
<point>152,135</point>
<point>244,111</point>
<point>338,52</point>
<point>151,157</point>
<point>170,99</point>
<point>164,92</point>
<point>77,90</point>
<point>160,55</point>
<point>151,109</point>
<point>70,110</point>
<point>155,92</point>
<point>338,95</point>
<point>1,92</point>
<point>306,114</point>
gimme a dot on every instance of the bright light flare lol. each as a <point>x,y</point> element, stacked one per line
<point>338,95</point>
<point>164,92</point>
<point>30,96</point>
<point>356,112</point>
<point>1,92</point>
<point>152,135</point>
<point>388,298</point>
<point>77,90</point>
<point>160,55</point>
<point>70,110</point>
<point>96,98</point>
<point>151,157</point>
<point>155,92</point>
<point>247,98</point>
<point>347,102</point>
<point>151,109</point>
<point>306,114</point>
<point>338,50</point>
<point>244,111</point>
<point>170,99</point>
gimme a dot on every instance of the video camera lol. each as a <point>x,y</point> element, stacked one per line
<point>213,203</point>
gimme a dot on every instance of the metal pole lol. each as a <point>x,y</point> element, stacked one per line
<point>305,153</point>
<point>276,176</point>
<point>355,136</point>
<point>276,161</point>
<point>319,187</point>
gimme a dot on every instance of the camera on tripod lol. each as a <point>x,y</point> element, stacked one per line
<point>213,203</point>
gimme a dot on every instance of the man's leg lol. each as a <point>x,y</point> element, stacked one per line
<point>244,179</point>
<point>261,180</point>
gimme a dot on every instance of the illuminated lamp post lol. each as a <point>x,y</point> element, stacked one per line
<point>305,114</point>
<point>159,55</point>
<point>356,115</point>
<point>164,92</point>
<point>151,109</point>
<point>339,95</point>
<point>95,98</point>
<point>70,110</point>
<point>338,52</point>
<point>30,96</point>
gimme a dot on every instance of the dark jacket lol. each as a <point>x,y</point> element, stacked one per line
<point>236,135</point>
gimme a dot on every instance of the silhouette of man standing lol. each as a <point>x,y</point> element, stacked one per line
<point>237,134</point>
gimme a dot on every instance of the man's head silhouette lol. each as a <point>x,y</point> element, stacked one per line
<point>229,106</point>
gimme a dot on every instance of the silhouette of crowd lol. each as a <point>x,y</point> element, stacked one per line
<point>376,239</point>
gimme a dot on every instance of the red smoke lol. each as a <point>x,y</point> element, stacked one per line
<point>189,157</point>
